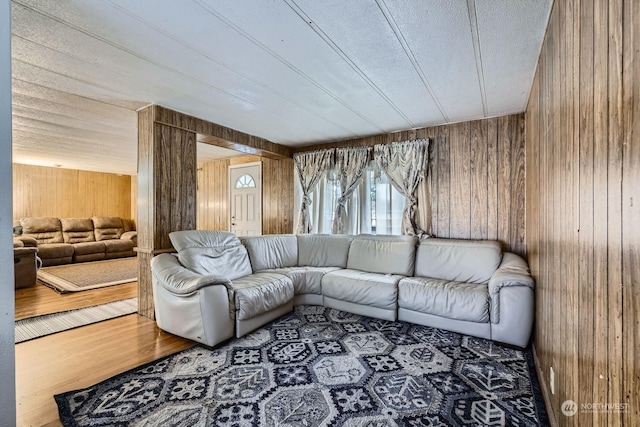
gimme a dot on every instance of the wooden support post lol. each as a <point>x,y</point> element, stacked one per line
<point>166,193</point>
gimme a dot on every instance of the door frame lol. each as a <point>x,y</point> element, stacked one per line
<point>231,184</point>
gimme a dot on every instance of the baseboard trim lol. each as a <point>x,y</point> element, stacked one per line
<point>543,388</point>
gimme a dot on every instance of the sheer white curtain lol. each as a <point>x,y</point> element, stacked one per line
<point>405,164</point>
<point>375,207</point>
<point>310,168</point>
<point>350,166</point>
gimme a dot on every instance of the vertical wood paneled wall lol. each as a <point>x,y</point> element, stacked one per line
<point>477,177</point>
<point>583,211</point>
<point>277,194</point>
<point>68,193</point>
<point>213,195</point>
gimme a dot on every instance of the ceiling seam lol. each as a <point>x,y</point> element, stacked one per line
<point>66,93</point>
<point>407,50</point>
<point>18,94</point>
<point>226,67</point>
<point>334,46</point>
<point>475,37</point>
<point>61,126</point>
<point>286,63</point>
<point>76,118</point>
<point>133,53</point>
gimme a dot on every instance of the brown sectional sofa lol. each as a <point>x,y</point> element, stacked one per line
<point>67,240</point>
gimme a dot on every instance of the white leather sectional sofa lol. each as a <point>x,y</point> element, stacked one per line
<point>218,285</point>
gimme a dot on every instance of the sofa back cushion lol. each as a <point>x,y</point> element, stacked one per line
<point>383,254</point>
<point>271,251</point>
<point>217,253</point>
<point>128,225</point>
<point>471,261</point>
<point>323,250</point>
<point>107,227</point>
<point>44,230</point>
<point>77,230</point>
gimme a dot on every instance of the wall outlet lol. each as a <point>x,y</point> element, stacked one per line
<point>552,381</point>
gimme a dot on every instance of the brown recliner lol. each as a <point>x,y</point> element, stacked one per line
<point>79,232</point>
<point>110,230</point>
<point>25,266</point>
<point>48,233</point>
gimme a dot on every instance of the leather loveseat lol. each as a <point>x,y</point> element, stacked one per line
<point>218,285</point>
<point>67,240</point>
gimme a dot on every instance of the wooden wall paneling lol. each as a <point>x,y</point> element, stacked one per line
<point>460,207</point>
<point>134,199</point>
<point>586,249</point>
<point>269,211</point>
<point>443,170</point>
<point>600,220</point>
<point>630,210</point>
<point>504,178</point>
<point>67,193</point>
<point>614,198</point>
<point>479,179</point>
<point>163,182</point>
<point>583,119</point>
<point>223,177</point>
<point>492,179</point>
<point>573,99</point>
<point>145,206</point>
<point>516,241</point>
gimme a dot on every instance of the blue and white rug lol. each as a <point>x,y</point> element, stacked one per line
<point>322,367</point>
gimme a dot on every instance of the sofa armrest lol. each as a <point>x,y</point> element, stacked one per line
<point>175,278</point>
<point>27,241</point>
<point>513,271</point>
<point>130,235</point>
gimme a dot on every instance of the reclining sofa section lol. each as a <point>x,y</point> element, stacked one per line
<point>218,285</point>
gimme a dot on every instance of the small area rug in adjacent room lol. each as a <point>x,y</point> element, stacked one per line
<point>89,275</point>
<point>40,326</point>
<point>322,367</point>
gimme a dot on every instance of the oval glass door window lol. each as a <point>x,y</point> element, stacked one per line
<point>245,181</point>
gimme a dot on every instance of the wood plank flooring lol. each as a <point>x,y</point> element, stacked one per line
<point>83,356</point>
<point>38,300</point>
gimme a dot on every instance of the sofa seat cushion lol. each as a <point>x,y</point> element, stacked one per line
<point>306,280</point>
<point>111,246</point>
<point>360,287</point>
<point>260,292</point>
<point>88,251</point>
<point>452,300</point>
<point>55,254</point>
<point>77,230</point>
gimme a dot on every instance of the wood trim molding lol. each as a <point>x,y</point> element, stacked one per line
<point>544,388</point>
<point>221,136</point>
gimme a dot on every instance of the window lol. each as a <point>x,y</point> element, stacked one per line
<point>375,207</point>
<point>245,181</point>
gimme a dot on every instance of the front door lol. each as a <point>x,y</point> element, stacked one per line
<point>245,199</point>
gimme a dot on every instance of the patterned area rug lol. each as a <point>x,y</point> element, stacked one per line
<point>89,275</point>
<point>322,367</point>
<point>40,326</point>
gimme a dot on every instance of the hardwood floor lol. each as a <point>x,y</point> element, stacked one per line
<point>39,299</point>
<point>83,356</point>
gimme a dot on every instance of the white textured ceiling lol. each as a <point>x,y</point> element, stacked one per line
<point>295,72</point>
